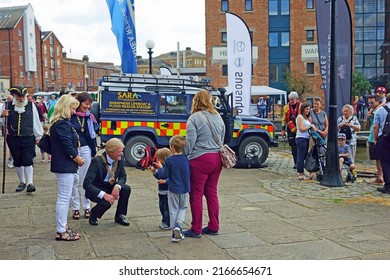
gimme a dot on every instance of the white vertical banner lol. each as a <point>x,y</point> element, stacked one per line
<point>239,49</point>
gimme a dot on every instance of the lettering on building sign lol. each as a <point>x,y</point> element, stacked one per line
<point>311,51</point>
<point>223,53</point>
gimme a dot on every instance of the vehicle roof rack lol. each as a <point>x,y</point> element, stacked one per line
<point>155,81</point>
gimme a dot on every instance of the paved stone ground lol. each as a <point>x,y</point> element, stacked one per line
<point>265,214</point>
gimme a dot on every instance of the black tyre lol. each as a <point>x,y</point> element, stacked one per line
<point>252,147</point>
<point>135,149</point>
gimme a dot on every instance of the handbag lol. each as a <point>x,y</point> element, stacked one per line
<point>44,144</point>
<point>311,161</point>
<point>228,156</point>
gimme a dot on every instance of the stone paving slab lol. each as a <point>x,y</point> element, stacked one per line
<point>278,232</point>
<point>265,213</point>
<point>310,250</point>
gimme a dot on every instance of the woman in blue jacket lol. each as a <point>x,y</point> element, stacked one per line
<point>65,162</point>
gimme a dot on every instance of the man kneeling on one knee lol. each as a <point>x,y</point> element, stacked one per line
<point>105,182</point>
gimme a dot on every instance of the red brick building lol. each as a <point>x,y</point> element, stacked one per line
<point>284,40</point>
<point>51,61</point>
<point>34,59</point>
<point>20,51</point>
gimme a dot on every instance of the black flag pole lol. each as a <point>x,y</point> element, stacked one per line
<point>332,176</point>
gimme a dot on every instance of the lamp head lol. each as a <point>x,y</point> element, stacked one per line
<point>149,44</point>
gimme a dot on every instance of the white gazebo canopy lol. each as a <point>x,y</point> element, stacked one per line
<point>266,90</point>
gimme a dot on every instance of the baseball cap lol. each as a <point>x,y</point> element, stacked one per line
<point>381,89</point>
<point>342,136</point>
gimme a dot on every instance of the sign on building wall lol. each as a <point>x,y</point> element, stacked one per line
<point>309,52</point>
<point>221,53</point>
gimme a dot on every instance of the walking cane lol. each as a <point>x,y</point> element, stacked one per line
<point>4,147</point>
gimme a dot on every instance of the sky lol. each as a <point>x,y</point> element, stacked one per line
<point>84,26</point>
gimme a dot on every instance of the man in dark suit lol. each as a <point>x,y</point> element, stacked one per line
<point>105,182</point>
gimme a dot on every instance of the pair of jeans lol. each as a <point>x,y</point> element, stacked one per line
<point>383,151</point>
<point>164,209</point>
<point>302,149</point>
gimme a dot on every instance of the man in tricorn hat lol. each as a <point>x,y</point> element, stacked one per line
<point>24,131</point>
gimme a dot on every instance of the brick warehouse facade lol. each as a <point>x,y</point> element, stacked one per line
<point>264,19</point>
<point>35,59</point>
<point>20,54</point>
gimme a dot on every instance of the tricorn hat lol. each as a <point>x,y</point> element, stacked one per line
<point>18,91</point>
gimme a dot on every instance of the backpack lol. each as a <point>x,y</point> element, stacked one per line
<point>148,159</point>
<point>347,131</point>
<point>386,127</point>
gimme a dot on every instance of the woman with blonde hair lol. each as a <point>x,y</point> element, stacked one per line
<point>65,162</point>
<point>205,163</point>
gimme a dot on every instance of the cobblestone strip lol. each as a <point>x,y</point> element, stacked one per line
<point>287,183</point>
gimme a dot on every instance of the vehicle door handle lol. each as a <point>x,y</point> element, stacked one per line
<point>165,125</point>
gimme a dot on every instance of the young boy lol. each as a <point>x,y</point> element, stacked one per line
<point>344,154</point>
<point>177,170</point>
<point>162,155</point>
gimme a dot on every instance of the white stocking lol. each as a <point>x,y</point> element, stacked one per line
<point>20,172</point>
<point>29,174</point>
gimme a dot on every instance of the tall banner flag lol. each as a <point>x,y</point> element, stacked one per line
<point>343,56</point>
<point>239,48</point>
<point>123,26</point>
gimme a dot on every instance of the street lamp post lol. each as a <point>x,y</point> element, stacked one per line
<point>86,82</point>
<point>332,176</point>
<point>150,45</point>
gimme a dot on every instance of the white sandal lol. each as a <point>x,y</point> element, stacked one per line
<point>303,177</point>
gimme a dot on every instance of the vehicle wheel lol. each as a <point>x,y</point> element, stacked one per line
<point>319,177</point>
<point>349,178</point>
<point>252,147</point>
<point>135,149</point>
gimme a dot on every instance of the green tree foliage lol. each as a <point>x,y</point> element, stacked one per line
<point>298,83</point>
<point>360,84</point>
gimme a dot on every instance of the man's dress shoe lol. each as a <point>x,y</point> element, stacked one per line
<point>121,219</point>
<point>21,187</point>
<point>93,221</point>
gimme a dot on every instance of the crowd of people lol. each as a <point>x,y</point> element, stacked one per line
<point>74,161</point>
<point>300,122</point>
<point>185,172</point>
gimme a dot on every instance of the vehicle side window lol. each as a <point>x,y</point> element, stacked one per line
<point>173,104</point>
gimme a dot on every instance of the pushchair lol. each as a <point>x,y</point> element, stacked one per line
<point>319,152</point>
